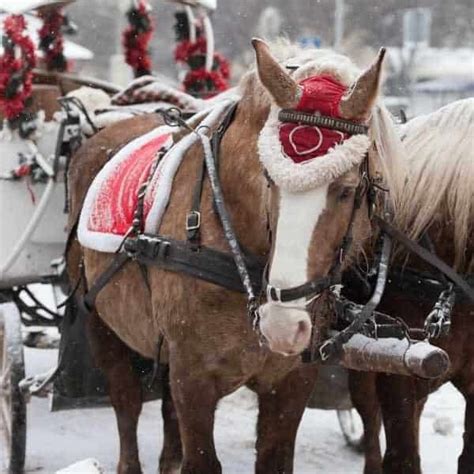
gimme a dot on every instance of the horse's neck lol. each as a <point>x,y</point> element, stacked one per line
<point>243,182</point>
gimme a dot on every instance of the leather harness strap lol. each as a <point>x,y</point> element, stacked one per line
<point>193,219</point>
<point>314,287</point>
<point>117,264</point>
<point>426,255</point>
<point>206,264</point>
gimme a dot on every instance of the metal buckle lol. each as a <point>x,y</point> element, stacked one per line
<point>193,221</point>
<point>273,294</point>
<point>322,351</point>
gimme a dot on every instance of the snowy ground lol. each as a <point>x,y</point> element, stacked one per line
<point>56,440</point>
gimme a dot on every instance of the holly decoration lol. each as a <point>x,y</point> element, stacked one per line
<point>51,39</point>
<point>198,81</point>
<point>137,37</point>
<point>16,71</point>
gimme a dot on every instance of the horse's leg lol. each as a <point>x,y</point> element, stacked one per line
<point>280,412</point>
<point>364,398</point>
<point>466,459</point>
<point>172,453</point>
<point>400,412</point>
<point>195,398</point>
<point>113,357</point>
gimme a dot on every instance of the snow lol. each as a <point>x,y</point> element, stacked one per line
<point>60,439</point>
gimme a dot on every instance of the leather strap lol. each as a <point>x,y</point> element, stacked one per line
<point>346,126</point>
<point>208,264</point>
<point>314,287</point>
<point>193,219</point>
<point>117,264</point>
<point>426,255</point>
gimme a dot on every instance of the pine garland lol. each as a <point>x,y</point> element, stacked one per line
<point>198,81</point>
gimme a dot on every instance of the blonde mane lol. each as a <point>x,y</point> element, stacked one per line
<point>429,174</point>
<point>439,188</point>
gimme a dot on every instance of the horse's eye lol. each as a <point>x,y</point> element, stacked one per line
<point>345,193</point>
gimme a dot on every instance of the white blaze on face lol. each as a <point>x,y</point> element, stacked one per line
<point>287,327</point>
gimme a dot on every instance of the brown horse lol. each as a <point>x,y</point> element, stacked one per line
<point>212,347</point>
<point>431,191</point>
<point>444,138</point>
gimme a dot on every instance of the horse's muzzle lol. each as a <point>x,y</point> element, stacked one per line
<point>287,329</point>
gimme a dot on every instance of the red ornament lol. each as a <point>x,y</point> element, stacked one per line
<point>137,37</point>
<point>16,70</point>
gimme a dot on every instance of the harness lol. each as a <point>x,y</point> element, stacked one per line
<point>247,274</point>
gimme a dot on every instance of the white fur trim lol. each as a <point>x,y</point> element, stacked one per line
<point>327,62</point>
<point>171,165</point>
<point>295,177</point>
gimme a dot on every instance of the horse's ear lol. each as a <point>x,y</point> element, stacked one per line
<point>358,104</point>
<point>281,86</point>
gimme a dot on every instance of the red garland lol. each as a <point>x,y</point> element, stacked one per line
<point>16,73</point>
<point>51,39</point>
<point>206,83</point>
<point>137,37</point>
<point>223,65</point>
<point>198,81</point>
<point>185,49</point>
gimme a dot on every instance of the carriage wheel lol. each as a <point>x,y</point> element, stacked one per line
<point>352,428</point>
<point>12,403</point>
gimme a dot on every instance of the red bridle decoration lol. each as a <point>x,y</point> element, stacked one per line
<point>321,94</point>
<point>51,39</point>
<point>16,70</point>
<point>137,37</point>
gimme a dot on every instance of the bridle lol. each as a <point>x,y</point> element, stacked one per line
<point>311,289</point>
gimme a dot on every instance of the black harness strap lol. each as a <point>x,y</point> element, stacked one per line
<point>426,255</point>
<point>193,219</point>
<point>316,286</point>
<point>117,264</point>
<point>331,347</point>
<point>208,264</point>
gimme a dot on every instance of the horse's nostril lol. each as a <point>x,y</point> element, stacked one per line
<point>301,331</point>
<point>301,326</point>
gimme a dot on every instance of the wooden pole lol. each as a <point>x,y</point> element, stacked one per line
<point>395,356</point>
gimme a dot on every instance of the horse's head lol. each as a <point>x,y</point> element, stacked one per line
<point>318,182</point>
